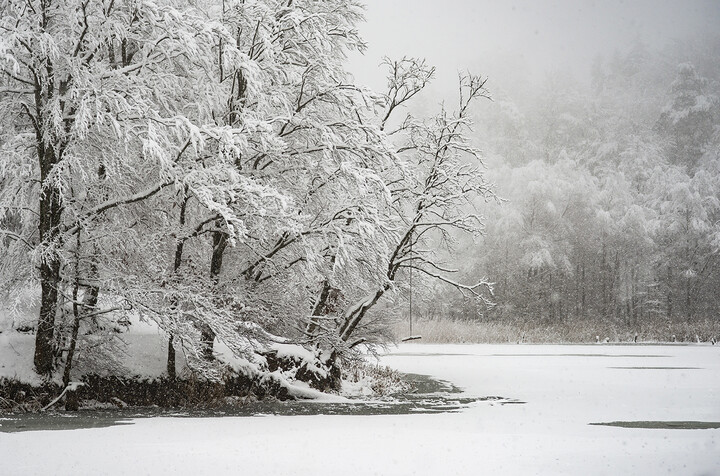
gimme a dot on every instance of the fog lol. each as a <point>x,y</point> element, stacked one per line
<point>603,141</point>
<point>525,37</point>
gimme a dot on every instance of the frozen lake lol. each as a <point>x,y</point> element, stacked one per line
<point>663,403</point>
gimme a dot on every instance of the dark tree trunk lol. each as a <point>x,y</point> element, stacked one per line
<point>615,285</point>
<point>604,279</point>
<point>50,216</point>
<point>353,319</point>
<point>669,300</point>
<point>688,301</point>
<point>49,155</point>
<point>322,306</point>
<point>219,245</point>
<point>583,306</point>
<point>628,301</point>
<point>80,310</point>
<point>89,306</point>
<point>73,337</point>
<point>577,305</point>
<point>635,298</point>
<point>72,402</point>
<point>207,335</point>
<point>44,350</point>
<point>549,294</point>
<point>171,359</point>
<point>207,338</point>
<point>176,266</point>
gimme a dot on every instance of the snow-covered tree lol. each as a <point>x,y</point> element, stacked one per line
<point>435,192</point>
<point>210,166</point>
<point>690,117</point>
<point>108,111</point>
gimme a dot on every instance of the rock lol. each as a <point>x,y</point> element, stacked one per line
<point>321,374</point>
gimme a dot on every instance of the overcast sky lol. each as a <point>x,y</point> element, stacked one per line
<point>545,35</point>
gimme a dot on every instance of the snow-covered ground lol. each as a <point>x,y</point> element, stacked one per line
<point>565,388</point>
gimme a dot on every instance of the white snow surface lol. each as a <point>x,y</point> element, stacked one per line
<point>565,388</point>
<point>293,351</point>
<point>144,352</point>
<point>16,351</point>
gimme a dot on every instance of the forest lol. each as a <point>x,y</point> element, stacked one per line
<point>212,168</point>
<point>611,200</point>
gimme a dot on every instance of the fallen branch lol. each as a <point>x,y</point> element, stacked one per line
<point>407,339</point>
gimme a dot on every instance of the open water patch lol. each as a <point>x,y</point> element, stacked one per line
<point>84,419</point>
<point>445,354</point>
<point>429,354</point>
<point>657,368</point>
<point>581,355</point>
<point>664,425</point>
<point>427,396</point>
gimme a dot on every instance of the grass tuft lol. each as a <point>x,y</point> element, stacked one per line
<point>447,331</point>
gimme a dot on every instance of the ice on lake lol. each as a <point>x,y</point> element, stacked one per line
<point>598,409</point>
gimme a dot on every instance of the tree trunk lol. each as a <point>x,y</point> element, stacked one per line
<point>583,311</point>
<point>615,285</point>
<point>354,317</point>
<point>176,266</point>
<point>635,295</point>
<point>319,309</point>
<point>89,306</point>
<point>577,307</point>
<point>628,300</point>
<point>207,335</point>
<point>549,298</point>
<point>669,300</point>
<point>219,245</point>
<point>90,299</point>
<point>603,281</point>
<point>172,374</point>
<point>688,301</point>
<point>74,335</point>
<point>44,351</point>
<point>50,216</point>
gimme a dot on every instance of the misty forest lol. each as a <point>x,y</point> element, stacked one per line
<point>200,203</point>
<point>611,206</point>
